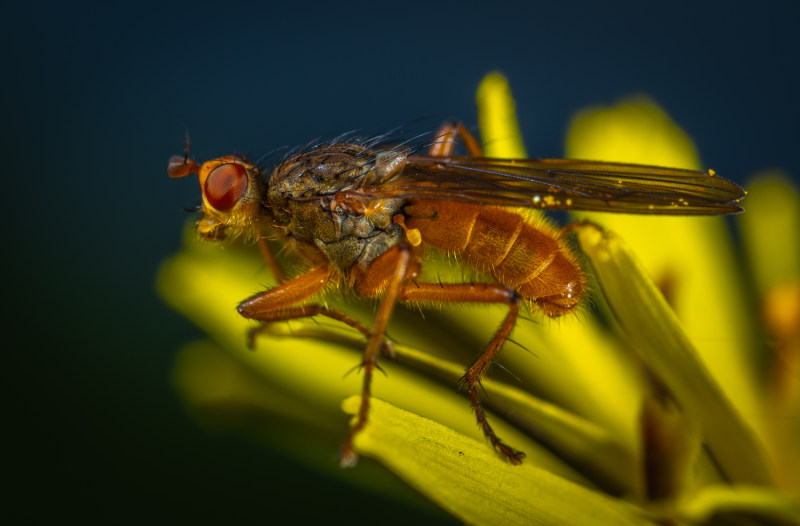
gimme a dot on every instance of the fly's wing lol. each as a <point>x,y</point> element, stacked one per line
<point>561,184</point>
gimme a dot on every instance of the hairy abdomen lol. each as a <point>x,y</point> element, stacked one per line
<point>529,257</point>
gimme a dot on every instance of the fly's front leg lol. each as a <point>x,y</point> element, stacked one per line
<point>314,309</point>
<point>284,295</point>
<point>476,293</point>
<point>446,140</point>
<point>277,304</point>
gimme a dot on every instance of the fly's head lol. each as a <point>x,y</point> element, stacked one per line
<point>233,192</point>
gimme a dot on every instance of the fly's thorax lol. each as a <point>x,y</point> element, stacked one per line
<point>303,194</point>
<point>327,170</point>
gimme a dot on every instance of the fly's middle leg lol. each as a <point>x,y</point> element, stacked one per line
<point>391,271</point>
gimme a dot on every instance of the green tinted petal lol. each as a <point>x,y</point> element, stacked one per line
<point>598,453</point>
<point>220,389</point>
<point>656,334</point>
<point>464,477</point>
<point>226,396</point>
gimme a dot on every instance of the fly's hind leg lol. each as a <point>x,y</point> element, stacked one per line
<point>476,293</point>
<point>475,372</point>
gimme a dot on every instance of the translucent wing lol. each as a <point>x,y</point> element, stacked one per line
<point>560,184</point>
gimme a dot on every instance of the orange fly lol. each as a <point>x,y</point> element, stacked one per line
<point>363,216</point>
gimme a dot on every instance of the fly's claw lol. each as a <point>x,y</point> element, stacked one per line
<point>512,455</point>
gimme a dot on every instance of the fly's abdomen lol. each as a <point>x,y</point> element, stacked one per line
<point>519,253</point>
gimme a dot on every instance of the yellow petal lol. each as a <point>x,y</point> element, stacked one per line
<point>597,452</point>
<point>497,119</point>
<point>464,477</point>
<point>656,334</point>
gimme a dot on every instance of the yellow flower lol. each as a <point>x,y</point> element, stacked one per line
<point>639,414</point>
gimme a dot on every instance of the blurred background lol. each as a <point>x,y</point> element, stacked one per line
<point>96,98</point>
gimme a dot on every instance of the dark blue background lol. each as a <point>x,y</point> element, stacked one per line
<point>95,98</point>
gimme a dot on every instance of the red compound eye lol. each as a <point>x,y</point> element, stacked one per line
<point>225,185</point>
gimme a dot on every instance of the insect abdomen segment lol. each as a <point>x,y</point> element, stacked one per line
<point>527,257</point>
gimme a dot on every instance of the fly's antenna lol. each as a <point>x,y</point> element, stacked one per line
<point>187,144</point>
<point>182,166</point>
